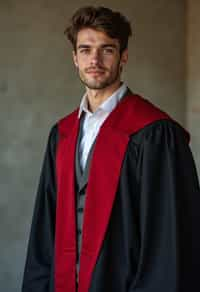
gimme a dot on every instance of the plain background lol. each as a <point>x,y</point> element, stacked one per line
<point>39,85</point>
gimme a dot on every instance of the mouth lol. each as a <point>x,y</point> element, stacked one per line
<point>95,72</point>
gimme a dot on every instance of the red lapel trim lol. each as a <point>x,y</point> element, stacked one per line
<point>65,242</point>
<point>101,190</point>
<point>131,114</point>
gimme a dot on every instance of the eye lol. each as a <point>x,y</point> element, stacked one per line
<point>84,51</point>
<point>108,50</point>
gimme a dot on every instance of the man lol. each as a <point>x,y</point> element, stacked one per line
<point>117,208</point>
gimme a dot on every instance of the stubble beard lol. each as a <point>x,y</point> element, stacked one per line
<point>101,84</point>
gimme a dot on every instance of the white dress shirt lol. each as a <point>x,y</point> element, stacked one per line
<point>93,121</point>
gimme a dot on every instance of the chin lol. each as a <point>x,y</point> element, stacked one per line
<point>95,85</point>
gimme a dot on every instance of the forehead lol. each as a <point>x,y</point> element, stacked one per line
<point>93,37</point>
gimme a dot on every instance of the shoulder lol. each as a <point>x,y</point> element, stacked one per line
<point>140,118</point>
<point>142,109</point>
<point>62,125</point>
<point>135,113</point>
<point>161,132</point>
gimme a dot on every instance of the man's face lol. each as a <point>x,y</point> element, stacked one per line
<point>98,59</point>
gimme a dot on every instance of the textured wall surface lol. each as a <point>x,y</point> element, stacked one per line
<point>193,77</point>
<point>38,85</point>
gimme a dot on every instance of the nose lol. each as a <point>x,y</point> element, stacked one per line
<point>95,57</point>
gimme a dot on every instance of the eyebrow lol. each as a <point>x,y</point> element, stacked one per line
<point>102,46</point>
<point>83,46</point>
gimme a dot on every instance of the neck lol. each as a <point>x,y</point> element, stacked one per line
<point>97,96</point>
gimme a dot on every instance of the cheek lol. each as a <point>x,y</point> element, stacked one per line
<point>112,66</point>
<point>83,63</point>
<point>111,61</point>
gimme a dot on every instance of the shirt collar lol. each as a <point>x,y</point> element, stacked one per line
<point>108,105</point>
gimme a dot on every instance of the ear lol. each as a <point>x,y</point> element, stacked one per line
<point>124,57</point>
<point>75,58</point>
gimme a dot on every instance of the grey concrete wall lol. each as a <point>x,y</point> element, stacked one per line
<point>38,85</point>
<point>193,77</point>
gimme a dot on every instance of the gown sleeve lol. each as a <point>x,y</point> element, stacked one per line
<point>40,253</point>
<point>169,196</point>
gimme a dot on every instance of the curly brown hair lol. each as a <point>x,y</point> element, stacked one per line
<point>103,19</point>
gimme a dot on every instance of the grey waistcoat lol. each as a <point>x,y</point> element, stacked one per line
<point>81,184</point>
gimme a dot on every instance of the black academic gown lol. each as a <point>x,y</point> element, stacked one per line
<point>141,218</point>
